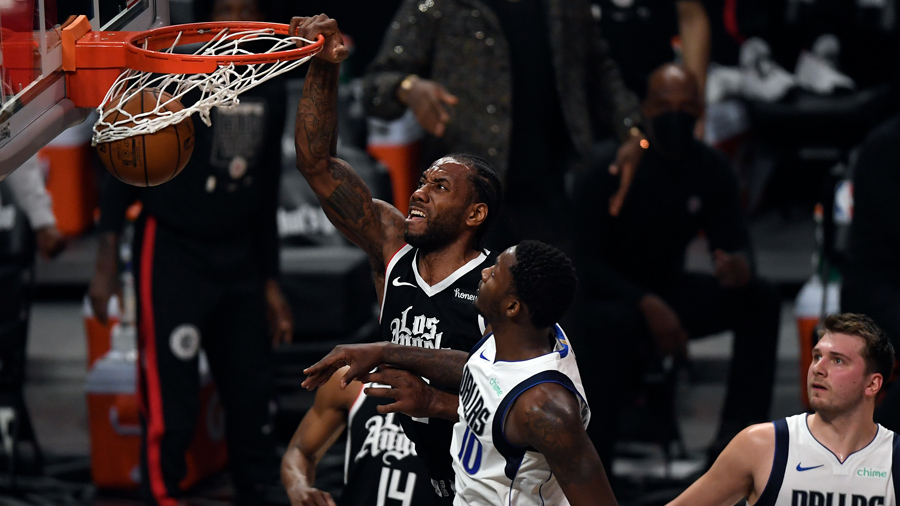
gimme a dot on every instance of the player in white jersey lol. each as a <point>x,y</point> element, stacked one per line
<point>837,456</point>
<point>520,433</point>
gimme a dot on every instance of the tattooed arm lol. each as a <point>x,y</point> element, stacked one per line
<point>547,417</point>
<point>442,367</point>
<point>373,225</point>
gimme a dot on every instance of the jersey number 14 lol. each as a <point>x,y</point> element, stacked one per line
<point>389,487</point>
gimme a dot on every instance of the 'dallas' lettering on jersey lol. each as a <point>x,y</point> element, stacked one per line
<point>816,498</point>
<point>386,440</point>
<point>418,330</point>
<point>473,404</point>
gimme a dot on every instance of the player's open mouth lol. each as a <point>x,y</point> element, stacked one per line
<point>415,213</point>
<point>818,386</point>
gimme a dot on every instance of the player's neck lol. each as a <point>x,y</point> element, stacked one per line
<point>843,433</point>
<point>520,342</point>
<point>435,266</point>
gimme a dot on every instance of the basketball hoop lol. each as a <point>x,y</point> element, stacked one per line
<point>212,59</point>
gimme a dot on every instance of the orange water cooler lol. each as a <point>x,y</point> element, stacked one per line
<point>72,178</point>
<point>397,144</point>
<point>114,418</point>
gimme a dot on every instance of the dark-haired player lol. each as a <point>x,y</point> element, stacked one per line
<point>837,456</point>
<point>426,264</point>
<point>519,436</point>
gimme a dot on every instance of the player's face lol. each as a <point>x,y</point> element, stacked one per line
<point>837,378</point>
<point>438,208</point>
<point>495,285</point>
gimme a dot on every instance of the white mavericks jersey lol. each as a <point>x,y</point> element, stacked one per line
<point>488,469</point>
<point>806,473</point>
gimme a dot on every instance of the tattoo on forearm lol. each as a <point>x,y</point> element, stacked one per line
<point>443,367</point>
<point>317,113</point>
<point>346,203</point>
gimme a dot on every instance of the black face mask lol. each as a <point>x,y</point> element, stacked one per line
<point>673,133</point>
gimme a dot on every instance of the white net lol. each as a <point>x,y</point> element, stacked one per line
<point>219,88</point>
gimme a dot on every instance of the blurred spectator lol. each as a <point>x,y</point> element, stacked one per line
<point>641,32</point>
<point>637,293</point>
<point>30,194</point>
<point>377,448</point>
<point>871,283</point>
<point>528,85</point>
<point>206,268</point>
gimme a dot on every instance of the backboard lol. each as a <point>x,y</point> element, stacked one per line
<point>33,104</point>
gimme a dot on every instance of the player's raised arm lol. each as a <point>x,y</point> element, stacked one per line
<point>548,418</point>
<point>373,225</point>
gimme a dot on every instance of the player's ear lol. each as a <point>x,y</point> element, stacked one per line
<point>513,307</point>
<point>478,212</point>
<point>874,384</point>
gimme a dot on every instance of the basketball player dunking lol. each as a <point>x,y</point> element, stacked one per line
<point>519,436</point>
<point>837,456</point>
<point>426,265</point>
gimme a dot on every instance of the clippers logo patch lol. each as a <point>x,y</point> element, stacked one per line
<point>185,341</point>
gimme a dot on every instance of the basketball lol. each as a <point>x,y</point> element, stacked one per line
<point>148,159</point>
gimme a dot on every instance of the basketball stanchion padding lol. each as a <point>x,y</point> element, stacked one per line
<point>153,158</point>
<point>215,62</point>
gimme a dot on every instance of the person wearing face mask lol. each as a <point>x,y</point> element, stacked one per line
<point>634,277</point>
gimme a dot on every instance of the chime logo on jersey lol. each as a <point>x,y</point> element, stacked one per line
<point>816,498</point>
<point>473,404</point>
<point>418,330</point>
<point>868,472</point>
<point>385,438</point>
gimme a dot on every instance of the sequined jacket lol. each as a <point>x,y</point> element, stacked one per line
<point>459,43</point>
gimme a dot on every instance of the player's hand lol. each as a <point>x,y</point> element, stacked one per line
<point>665,326</point>
<point>105,282</point>
<point>302,495</point>
<point>731,269</point>
<point>50,242</point>
<point>309,28</point>
<point>278,312</point>
<point>411,394</point>
<point>428,101</point>
<point>361,358</point>
<point>628,156</point>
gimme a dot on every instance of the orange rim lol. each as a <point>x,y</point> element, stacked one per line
<point>152,59</point>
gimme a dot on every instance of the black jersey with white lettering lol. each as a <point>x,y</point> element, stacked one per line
<point>381,466</point>
<point>414,313</point>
